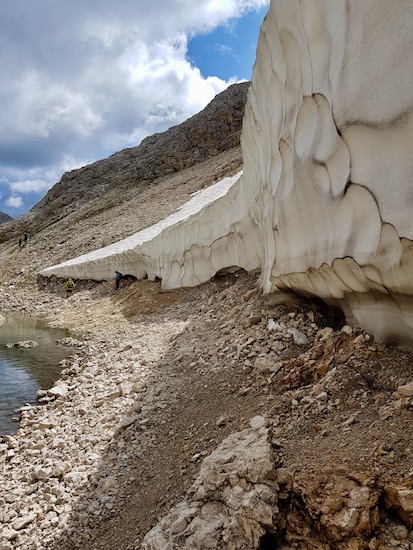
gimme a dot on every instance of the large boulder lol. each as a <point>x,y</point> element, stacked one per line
<point>233,502</point>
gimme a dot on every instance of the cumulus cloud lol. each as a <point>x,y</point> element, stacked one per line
<point>85,79</point>
<point>14,201</point>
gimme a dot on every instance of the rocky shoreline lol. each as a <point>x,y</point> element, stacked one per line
<point>59,445</point>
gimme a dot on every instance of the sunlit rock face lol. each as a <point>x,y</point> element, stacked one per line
<point>324,207</point>
<point>327,148</point>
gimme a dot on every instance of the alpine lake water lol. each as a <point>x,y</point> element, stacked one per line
<point>23,371</point>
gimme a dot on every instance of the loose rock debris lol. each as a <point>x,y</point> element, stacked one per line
<point>125,449</point>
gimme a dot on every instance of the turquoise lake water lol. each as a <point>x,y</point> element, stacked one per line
<point>24,371</point>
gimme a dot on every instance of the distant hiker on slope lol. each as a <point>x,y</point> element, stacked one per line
<point>118,277</point>
<point>70,285</point>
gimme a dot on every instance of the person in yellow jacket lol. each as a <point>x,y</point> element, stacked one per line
<point>70,285</point>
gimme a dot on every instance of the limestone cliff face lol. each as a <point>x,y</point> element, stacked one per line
<point>324,205</point>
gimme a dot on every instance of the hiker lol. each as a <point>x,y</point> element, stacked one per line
<point>118,277</point>
<point>70,285</point>
<point>26,237</point>
<point>20,242</point>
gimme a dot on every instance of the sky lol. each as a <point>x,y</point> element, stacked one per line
<point>82,79</point>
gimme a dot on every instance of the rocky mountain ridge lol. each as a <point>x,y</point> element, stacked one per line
<point>4,218</point>
<point>109,182</point>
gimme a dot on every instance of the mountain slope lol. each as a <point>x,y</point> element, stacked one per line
<point>4,218</point>
<point>105,183</point>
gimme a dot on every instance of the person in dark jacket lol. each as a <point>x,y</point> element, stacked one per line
<point>118,277</point>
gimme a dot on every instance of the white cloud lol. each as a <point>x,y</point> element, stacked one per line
<point>217,12</point>
<point>39,180</point>
<point>31,186</point>
<point>103,71</point>
<point>14,201</point>
<point>84,79</point>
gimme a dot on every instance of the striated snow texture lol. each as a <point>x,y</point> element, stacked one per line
<point>185,249</point>
<point>324,205</point>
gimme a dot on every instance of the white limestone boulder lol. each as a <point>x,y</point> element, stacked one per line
<point>234,498</point>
